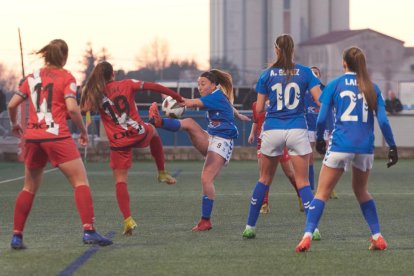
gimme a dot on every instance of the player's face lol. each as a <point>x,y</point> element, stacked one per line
<point>205,86</point>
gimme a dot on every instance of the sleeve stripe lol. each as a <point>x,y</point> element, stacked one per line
<point>21,94</point>
<point>70,96</point>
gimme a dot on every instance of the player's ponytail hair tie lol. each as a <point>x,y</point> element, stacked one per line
<point>211,77</point>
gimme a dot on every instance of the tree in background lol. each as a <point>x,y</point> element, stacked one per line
<point>185,70</point>
<point>88,61</point>
<point>104,55</point>
<point>8,79</point>
<point>155,57</point>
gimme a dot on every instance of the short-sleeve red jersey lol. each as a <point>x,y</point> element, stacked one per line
<point>47,90</point>
<point>119,114</point>
<point>258,118</point>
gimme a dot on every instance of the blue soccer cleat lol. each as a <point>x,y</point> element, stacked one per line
<point>93,237</point>
<point>17,242</point>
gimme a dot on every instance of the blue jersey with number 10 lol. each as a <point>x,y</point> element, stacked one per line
<point>286,95</point>
<point>354,122</point>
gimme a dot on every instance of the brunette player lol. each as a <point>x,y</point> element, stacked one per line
<point>125,129</point>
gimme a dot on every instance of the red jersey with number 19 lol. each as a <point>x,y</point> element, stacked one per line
<point>123,125</point>
<point>47,90</point>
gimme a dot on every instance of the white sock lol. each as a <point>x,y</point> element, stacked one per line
<point>376,236</point>
<point>250,227</point>
<point>307,234</point>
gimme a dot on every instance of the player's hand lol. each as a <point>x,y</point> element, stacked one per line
<point>250,139</point>
<point>17,130</point>
<point>179,99</point>
<point>392,156</point>
<point>243,117</point>
<point>321,146</point>
<point>183,101</point>
<point>83,139</point>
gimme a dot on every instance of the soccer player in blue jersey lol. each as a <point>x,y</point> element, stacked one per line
<point>216,144</point>
<point>284,83</point>
<point>355,99</point>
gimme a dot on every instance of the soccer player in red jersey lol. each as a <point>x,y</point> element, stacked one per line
<point>258,119</point>
<point>51,92</point>
<point>124,127</point>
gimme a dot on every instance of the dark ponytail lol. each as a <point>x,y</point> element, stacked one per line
<point>284,60</point>
<point>94,89</point>
<point>355,59</point>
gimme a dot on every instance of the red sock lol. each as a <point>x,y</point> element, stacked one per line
<point>157,152</point>
<point>22,209</point>
<point>122,197</point>
<point>266,198</point>
<point>84,203</point>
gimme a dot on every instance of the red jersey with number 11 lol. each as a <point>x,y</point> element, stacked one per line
<point>47,90</point>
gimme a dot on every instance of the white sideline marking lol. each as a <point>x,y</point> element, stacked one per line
<point>22,177</point>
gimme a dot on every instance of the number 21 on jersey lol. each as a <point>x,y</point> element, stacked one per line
<point>354,100</point>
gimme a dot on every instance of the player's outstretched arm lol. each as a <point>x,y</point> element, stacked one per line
<point>162,89</point>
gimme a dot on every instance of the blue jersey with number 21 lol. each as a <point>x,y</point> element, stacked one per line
<point>286,96</point>
<point>354,122</point>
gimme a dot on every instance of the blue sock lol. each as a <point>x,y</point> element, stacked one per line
<point>256,203</point>
<point>306,196</point>
<point>311,177</point>
<point>314,214</point>
<point>206,207</point>
<point>370,214</point>
<point>170,124</point>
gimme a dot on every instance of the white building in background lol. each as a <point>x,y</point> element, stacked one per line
<point>243,31</point>
<point>385,55</point>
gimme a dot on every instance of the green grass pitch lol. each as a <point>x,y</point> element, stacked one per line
<point>163,243</point>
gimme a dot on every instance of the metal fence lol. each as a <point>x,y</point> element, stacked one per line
<point>97,133</point>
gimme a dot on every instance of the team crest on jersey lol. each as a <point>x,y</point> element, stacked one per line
<point>73,87</point>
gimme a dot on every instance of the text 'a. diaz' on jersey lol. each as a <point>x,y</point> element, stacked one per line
<point>286,96</point>
<point>119,114</point>
<point>220,115</point>
<point>46,89</point>
<point>354,121</point>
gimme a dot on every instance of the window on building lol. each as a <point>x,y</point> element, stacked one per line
<point>286,22</point>
<point>286,4</point>
<point>412,67</point>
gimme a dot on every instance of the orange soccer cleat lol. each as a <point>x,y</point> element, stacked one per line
<point>378,244</point>
<point>202,225</point>
<point>304,244</point>
<point>154,115</point>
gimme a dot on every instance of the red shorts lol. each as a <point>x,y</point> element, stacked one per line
<point>122,159</point>
<point>56,151</point>
<point>285,156</point>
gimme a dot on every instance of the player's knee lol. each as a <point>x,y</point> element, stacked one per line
<point>187,123</point>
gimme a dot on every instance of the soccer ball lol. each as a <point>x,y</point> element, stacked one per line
<point>172,108</point>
